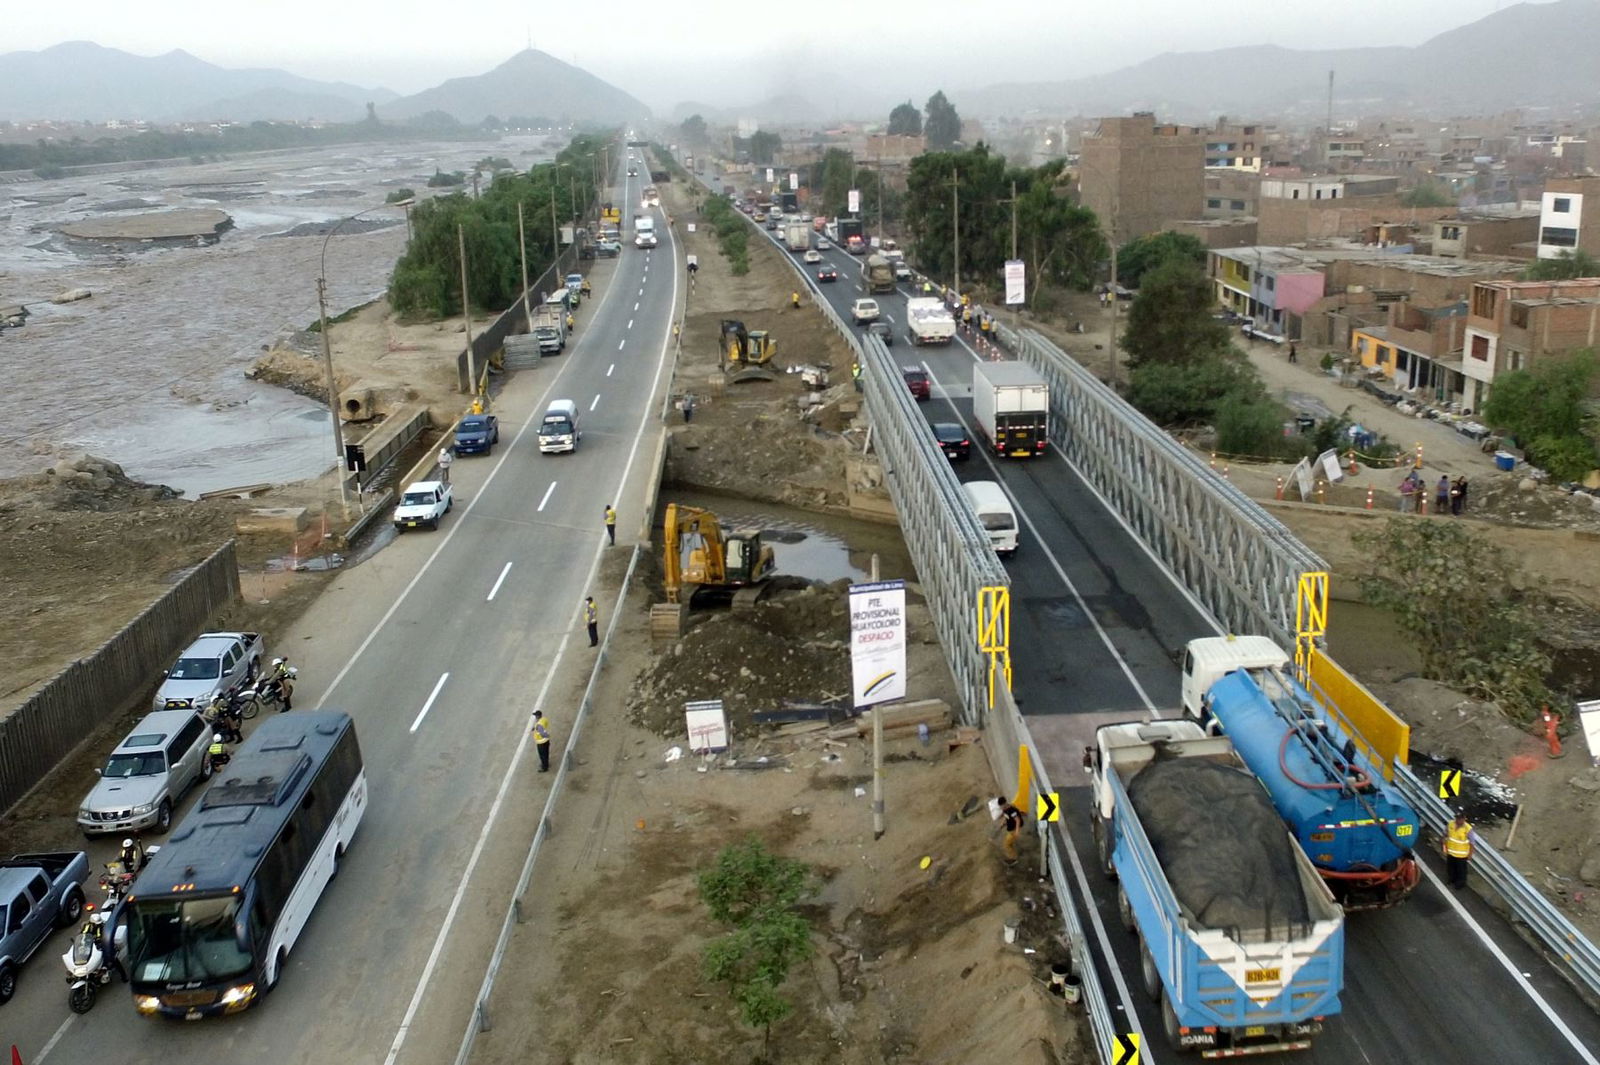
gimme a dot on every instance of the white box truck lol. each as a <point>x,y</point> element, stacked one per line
<point>644,231</point>
<point>1011,403</point>
<point>928,321</point>
<point>797,236</point>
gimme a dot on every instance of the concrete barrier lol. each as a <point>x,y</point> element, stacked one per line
<point>391,438</point>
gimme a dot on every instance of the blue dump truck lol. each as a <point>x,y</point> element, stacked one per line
<point>1353,825</point>
<point>1240,941</point>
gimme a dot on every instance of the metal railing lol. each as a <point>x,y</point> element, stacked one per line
<point>1527,903</point>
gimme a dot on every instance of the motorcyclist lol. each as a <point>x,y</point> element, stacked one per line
<point>217,754</point>
<point>105,942</point>
<point>131,855</point>
<point>224,716</point>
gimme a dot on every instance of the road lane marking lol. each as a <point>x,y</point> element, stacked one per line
<point>501,580</point>
<point>429,704</point>
<point>547,492</point>
<point>641,290</point>
<point>522,743</point>
<point>613,366</point>
<point>595,401</point>
<point>636,306</point>
<point>621,342</point>
<point>50,1045</point>
<point>630,323</point>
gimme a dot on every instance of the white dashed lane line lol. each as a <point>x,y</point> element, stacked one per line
<point>547,493</point>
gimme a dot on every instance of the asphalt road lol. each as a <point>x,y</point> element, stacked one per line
<point>440,646</point>
<point>1098,633</point>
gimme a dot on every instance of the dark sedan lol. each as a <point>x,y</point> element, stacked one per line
<point>477,432</point>
<point>953,441</point>
<point>827,273</point>
<point>883,331</point>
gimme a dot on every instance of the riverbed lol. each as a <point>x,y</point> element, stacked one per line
<point>149,370</point>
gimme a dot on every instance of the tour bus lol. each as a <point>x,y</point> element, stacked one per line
<point>212,918</point>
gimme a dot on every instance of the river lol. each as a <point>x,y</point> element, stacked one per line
<point>149,371</point>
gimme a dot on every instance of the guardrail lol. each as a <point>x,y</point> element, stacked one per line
<point>1528,904</point>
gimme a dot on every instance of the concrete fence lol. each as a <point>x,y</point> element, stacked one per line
<point>36,736</point>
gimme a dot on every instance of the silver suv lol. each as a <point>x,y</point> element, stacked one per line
<point>147,773</point>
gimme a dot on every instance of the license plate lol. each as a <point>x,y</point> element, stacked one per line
<point>1255,1029</point>
<point>411,525</point>
<point>1021,453</point>
<point>1261,976</point>
<point>192,1015</point>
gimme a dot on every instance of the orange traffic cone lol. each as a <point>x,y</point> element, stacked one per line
<point>1551,721</point>
<point>1369,498</point>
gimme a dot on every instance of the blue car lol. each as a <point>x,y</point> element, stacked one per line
<point>477,433</point>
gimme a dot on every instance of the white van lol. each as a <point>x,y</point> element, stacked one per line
<point>995,514</point>
<point>559,429</point>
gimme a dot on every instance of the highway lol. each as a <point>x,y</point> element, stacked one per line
<point>440,645</point>
<point>1098,632</point>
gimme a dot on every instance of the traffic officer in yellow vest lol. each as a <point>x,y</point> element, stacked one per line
<point>591,618</point>
<point>1458,850</point>
<point>611,523</point>
<point>541,740</point>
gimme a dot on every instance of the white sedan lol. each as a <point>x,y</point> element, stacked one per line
<point>812,255</point>
<point>822,242</point>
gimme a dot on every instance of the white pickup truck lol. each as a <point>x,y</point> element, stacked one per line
<point>423,503</point>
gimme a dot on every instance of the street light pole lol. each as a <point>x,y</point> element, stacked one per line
<point>466,313</point>
<point>332,388</point>
<point>955,193</point>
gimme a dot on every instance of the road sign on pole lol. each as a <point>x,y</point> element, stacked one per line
<point>854,201</point>
<point>1016,282</point>
<point>878,641</point>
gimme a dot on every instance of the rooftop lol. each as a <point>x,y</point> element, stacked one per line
<point>1316,258</point>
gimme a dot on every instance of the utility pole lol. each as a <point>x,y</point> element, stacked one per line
<point>1111,373</point>
<point>522,246</point>
<point>877,751</point>
<point>333,392</point>
<point>1014,311</point>
<point>880,200</point>
<point>955,192</point>
<point>466,313</point>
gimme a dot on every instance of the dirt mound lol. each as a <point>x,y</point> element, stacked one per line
<point>792,646</point>
<point>79,482</point>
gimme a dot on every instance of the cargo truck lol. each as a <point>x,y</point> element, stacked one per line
<point>851,235</point>
<point>1011,403</point>
<point>1240,942</point>
<point>550,326</point>
<point>796,236</point>
<point>1354,825</point>
<point>644,231</point>
<point>928,321</point>
<point>877,274</point>
<point>789,202</point>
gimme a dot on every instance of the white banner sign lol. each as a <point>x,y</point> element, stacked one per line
<point>566,234</point>
<point>794,181</point>
<point>769,175</point>
<point>878,641</point>
<point>707,725</point>
<point>854,201</point>
<point>1016,282</point>
<point>1589,718</point>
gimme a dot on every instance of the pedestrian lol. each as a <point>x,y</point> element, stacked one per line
<point>1293,355</point>
<point>688,408</point>
<point>1441,494</point>
<point>1011,821</point>
<point>446,457</point>
<point>794,300</point>
<point>611,524</point>
<point>1458,841</point>
<point>571,321</point>
<point>1458,496</point>
<point>591,618</point>
<point>1408,494</point>
<point>541,739</point>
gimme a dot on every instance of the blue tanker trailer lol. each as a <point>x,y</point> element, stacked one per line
<point>1351,823</point>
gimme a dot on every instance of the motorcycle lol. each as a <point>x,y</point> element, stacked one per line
<point>277,686</point>
<point>225,719</point>
<point>88,969</point>
<point>117,881</point>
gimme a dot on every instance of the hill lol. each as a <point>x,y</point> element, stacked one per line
<point>81,80</point>
<point>530,83</point>
<point>1524,55</point>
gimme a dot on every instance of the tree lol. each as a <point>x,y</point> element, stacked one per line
<point>1138,256</point>
<point>1461,599</point>
<point>757,894</point>
<point>400,195</point>
<point>905,120</point>
<point>1544,409</point>
<point>1182,394</point>
<point>693,129</point>
<point>1427,194</point>
<point>1566,266</point>
<point>943,126</point>
<point>1171,318</point>
<point>835,174</point>
<point>763,146</point>
<point>372,113</point>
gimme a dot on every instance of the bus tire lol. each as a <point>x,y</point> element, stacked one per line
<point>278,962</point>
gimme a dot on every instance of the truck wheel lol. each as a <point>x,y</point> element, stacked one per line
<point>1169,1026</point>
<point>8,982</point>
<point>1125,910</point>
<point>1148,973</point>
<point>71,908</point>
<point>254,671</point>
<point>163,818</point>
<point>1102,844</point>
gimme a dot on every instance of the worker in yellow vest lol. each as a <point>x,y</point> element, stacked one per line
<point>591,619</point>
<point>1458,850</point>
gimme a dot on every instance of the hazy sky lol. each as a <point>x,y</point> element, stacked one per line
<point>830,51</point>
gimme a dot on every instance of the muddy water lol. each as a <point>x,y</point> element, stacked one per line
<point>149,371</point>
<point>818,547</point>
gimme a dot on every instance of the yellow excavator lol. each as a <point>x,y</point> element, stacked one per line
<point>747,353</point>
<point>698,555</point>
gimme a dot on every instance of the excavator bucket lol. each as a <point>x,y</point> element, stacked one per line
<point>746,374</point>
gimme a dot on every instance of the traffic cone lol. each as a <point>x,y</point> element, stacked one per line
<point>1369,498</point>
<point>16,1055</point>
<point>1354,469</point>
<point>1551,721</point>
<point>1280,487</point>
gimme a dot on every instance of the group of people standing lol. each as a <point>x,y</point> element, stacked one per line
<point>1446,494</point>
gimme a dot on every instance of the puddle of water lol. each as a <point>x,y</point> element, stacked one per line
<point>314,564</point>
<point>813,546</point>
<point>1482,799</point>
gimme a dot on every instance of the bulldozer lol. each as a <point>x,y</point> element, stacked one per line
<point>699,557</point>
<point>746,353</point>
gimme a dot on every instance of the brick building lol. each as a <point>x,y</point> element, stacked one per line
<point>1508,235</point>
<point>1138,175</point>
<point>1230,193</point>
<point>1302,210</point>
<point>1511,325</point>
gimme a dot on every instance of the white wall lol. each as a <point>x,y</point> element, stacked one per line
<point>1572,219</point>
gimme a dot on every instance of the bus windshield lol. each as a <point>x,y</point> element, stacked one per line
<point>172,941</point>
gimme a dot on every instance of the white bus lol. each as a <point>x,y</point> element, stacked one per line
<point>212,918</point>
